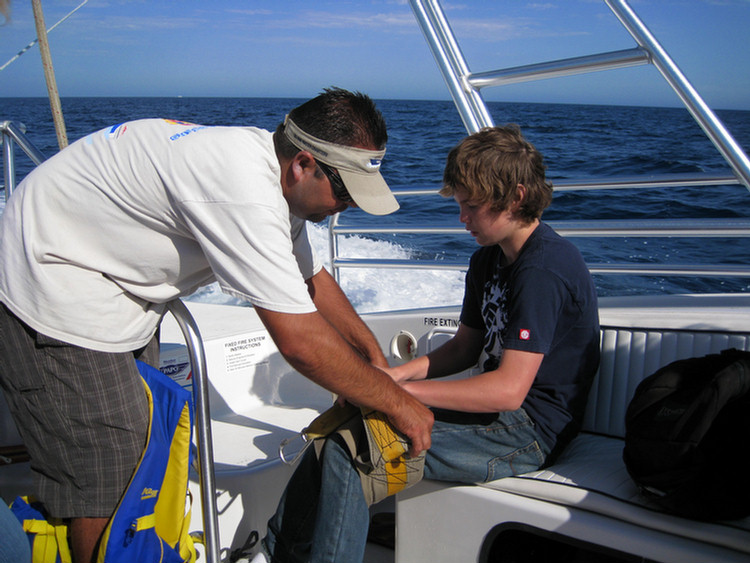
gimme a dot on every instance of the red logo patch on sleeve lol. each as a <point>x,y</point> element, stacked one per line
<point>524,334</point>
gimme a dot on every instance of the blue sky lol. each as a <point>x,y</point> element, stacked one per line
<point>290,48</point>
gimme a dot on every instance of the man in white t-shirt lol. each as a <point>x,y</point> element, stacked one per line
<point>97,239</point>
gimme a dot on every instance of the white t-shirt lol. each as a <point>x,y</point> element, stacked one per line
<point>98,238</point>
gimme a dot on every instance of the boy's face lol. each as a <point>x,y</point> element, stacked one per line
<point>487,226</point>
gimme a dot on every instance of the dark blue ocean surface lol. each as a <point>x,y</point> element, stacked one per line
<point>578,141</point>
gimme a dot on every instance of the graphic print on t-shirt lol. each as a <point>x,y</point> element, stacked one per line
<point>495,314</point>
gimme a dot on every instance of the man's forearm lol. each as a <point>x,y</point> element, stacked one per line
<point>334,306</point>
<point>313,347</point>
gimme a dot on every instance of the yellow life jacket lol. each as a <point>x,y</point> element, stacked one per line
<point>150,523</point>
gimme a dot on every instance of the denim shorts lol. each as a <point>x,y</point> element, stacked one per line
<point>82,414</point>
<point>476,448</point>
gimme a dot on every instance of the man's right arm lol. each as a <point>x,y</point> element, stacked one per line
<point>315,348</point>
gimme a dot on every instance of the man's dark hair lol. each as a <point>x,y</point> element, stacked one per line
<point>338,116</point>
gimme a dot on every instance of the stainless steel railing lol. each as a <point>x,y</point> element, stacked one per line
<point>674,228</point>
<point>464,87</point>
<point>703,115</point>
<point>10,135</point>
<point>206,475</point>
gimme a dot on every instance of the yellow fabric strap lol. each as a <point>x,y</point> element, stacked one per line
<point>41,527</point>
<point>50,539</point>
<point>145,522</point>
<point>187,542</point>
<point>391,447</point>
<point>396,471</point>
<point>61,532</point>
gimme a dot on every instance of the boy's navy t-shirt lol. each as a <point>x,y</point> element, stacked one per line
<point>544,302</point>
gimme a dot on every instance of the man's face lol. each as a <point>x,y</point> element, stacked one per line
<point>314,199</point>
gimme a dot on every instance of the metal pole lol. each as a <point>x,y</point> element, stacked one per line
<point>700,111</point>
<point>9,170</point>
<point>49,75</point>
<point>17,132</point>
<point>12,134</point>
<point>203,428</point>
<point>562,67</point>
<point>452,64</point>
<point>333,246</point>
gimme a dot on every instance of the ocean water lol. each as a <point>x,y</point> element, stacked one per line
<point>578,141</point>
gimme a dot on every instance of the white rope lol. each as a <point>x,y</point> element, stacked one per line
<point>35,41</point>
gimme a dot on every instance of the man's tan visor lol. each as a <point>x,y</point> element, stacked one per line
<point>358,168</point>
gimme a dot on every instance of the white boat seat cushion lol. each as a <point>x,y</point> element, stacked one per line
<point>631,354</point>
<point>590,475</point>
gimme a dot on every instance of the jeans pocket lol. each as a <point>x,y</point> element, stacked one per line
<point>522,460</point>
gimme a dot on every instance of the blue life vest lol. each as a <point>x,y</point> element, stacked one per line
<point>48,537</point>
<point>151,521</point>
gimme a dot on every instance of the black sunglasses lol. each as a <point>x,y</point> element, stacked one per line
<point>337,184</point>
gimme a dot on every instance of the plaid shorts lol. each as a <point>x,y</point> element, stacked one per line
<point>83,416</point>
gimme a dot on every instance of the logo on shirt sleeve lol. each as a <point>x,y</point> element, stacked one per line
<point>524,334</point>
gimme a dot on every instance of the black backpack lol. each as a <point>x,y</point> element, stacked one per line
<point>687,436</point>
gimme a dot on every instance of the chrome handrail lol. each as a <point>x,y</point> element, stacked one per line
<point>464,87</point>
<point>698,108</point>
<point>674,228</point>
<point>204,439</point>
<point>647,182</point>
<point>562,67</point>
<point>452,64</point>
<point>11,134</point>
<point>595,268</point>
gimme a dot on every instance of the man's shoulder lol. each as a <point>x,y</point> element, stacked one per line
<point>176,130</point>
